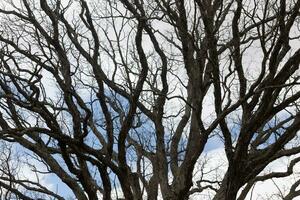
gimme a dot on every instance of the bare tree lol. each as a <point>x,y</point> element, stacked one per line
<point>118,99</point>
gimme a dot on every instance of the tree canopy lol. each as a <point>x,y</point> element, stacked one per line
<point>121,99</point>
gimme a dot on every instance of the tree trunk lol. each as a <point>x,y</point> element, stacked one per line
<point>229,188</point>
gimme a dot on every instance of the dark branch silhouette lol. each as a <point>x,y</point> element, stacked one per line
<point>119,99</point>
